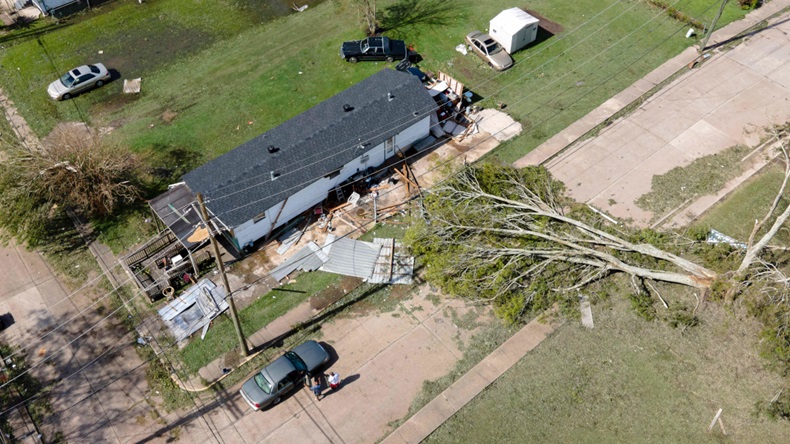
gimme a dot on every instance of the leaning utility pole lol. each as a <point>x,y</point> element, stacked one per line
<point>712,27</point>
<point>232,305</point>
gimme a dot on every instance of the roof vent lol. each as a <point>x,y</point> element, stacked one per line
<point>272,149</point>
<point>416,113</point>
<point>347,107</point>
<point>390,96</point>
<point>275,175</point>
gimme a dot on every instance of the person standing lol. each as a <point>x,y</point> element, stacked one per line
<point>316,388</point>
<point>333,380</point>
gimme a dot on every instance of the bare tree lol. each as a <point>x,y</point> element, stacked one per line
<point>75,168</point>
<point>753,250</point>
<point>367,9</point>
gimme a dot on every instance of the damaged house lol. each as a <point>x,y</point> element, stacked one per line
<point>264,183</point>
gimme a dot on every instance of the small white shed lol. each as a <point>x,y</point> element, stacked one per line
<point>514,29</point>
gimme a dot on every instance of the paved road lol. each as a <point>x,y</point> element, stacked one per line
<point>725,102</point>
<point>383,359</point>
<point>39,304</point>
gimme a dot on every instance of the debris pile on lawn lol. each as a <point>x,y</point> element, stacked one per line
<point>381,261</point>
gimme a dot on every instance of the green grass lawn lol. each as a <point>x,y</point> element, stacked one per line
<point>735,215</point>
<point>213,81</point>
<point>221,337</point>
<point>211,74</point>
<point>628,381</point>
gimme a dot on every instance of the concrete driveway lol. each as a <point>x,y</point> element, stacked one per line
<point>383,358</point>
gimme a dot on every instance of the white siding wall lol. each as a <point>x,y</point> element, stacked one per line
<point>249,232</point>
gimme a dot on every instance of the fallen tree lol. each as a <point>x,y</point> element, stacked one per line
<point>496,234</point>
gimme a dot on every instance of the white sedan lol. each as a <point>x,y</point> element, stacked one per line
<point>78,80</point>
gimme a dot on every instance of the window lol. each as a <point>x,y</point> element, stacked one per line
<point>333,174</point>
<point>389,145</point>
<point>364,159</point>
<point>94,69</point>
<point>259,218</point>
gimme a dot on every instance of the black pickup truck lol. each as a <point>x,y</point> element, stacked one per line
<point>374,48</point>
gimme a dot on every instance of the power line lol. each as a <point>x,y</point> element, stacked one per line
<point>555,113</point>
<point>384,193</point>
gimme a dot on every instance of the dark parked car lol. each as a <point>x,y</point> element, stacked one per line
<point>374,48</point>
<point>269,386</point>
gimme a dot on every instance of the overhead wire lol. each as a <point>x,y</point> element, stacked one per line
<point>523,99</point>
<point>383,193</point>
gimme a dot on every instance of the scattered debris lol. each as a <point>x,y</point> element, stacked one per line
<point>462,49</point>
<point>132,86</point>
<point>586,309</point>
<point>716,237</point>
<point>194,309</point>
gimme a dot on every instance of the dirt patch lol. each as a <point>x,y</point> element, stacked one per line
<point>68,129</point>
<point>334,293</point>
<point>253,267</point>
<point>112,104</point>
<point>232,358</point>
<point>545,24</point>
<point>168,116</point>
<point>150,49</point>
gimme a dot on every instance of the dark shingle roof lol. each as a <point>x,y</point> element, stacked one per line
<point>238,185</point>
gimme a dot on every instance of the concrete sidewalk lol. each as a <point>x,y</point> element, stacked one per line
<point>428,418</point>
<point>724,102</point>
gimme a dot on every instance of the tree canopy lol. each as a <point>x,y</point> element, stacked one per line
<point>75,169</point>
<point>511,237</point>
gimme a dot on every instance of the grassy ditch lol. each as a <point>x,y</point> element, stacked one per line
<point>735,215</point>
<point>629,380</point>
<point>705,175</point>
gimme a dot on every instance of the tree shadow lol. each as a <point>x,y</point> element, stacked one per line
<point>22,31</point>
<point>315,323</point>
<point>415,12</point>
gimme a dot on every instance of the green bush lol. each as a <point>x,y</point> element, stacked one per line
<point>780,408</point>
<point>642,304</point>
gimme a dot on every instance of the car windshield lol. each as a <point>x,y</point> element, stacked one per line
<point>296,361</point>
<point>263,383</point>
<point>492,47</point>
<point>364,46</point>
<point>94,69</point>
<point>67,80</point>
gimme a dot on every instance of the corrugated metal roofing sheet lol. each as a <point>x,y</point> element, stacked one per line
<point>392,266</point>
<point>194,309</point>
<point>305,259</point>
<point>380,261</point>
<point>352,258</point>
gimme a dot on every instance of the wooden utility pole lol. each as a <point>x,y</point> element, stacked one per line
<point>232,305</point>
<point>712,27</point>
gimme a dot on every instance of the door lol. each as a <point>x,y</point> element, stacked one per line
<point>287,383</point>
<point>83,82</point>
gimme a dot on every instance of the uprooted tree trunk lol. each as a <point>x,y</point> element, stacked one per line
<point>520,219</point>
